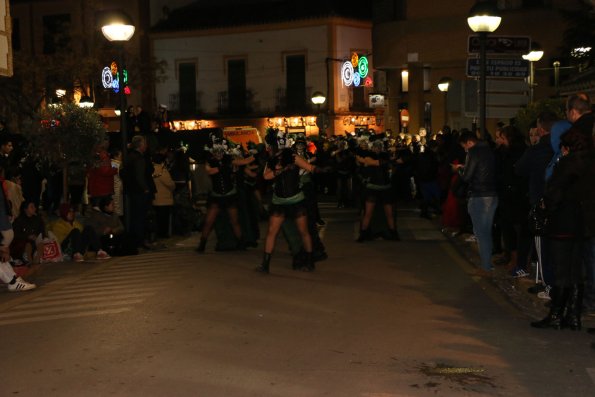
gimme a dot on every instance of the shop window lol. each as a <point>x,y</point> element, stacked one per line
<point>56,33</point>
<point>187,87</point>
<point>236,85</point>
<point>295,69</point>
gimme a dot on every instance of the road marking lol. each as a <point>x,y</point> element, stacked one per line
<point>65,315</point>
<point>109,289</point>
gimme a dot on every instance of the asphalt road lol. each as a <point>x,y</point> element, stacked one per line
<point>378,319</point>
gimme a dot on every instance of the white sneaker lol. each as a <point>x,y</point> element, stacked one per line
<point>21,285</point>
<point>471,239</point>
<point>101,254</point>
<point>545,294</point>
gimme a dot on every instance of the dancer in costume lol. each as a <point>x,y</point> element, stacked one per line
<point>309,188</point>
<point>223,195</point>
<point>377,189</point>
<point>288,198</point>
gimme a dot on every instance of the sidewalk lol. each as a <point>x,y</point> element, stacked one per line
<point>514,288</point>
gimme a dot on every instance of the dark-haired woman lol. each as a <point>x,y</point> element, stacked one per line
<point>223,196</point>
<point>288,201</point>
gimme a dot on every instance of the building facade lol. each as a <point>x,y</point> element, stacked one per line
<point>263,72</point>
<point>417,45</point>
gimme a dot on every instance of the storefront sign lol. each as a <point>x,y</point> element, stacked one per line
<point>242,135</point>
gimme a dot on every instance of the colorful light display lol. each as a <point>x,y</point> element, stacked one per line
<point>109,78</point>
<point>355,70</point>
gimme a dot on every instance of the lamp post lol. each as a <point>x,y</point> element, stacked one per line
<point>318,99</point>
<point>533,56</point>
<point>86,102</point>
<point>117,26</point>
<point>483,19</point>
<point>443,86</point>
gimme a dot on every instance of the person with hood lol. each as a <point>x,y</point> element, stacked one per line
<point>73,236</point>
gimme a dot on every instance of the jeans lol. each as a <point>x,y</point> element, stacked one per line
<point>481,210</point>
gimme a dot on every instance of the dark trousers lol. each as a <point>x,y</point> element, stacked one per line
<point>139,206</point>
<point>163,220</point>
<point>80,242</point>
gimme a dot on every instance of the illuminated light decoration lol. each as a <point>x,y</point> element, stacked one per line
<point>127,90</point>
<point>114,68</point>
<point>356,79</point>
<point>347,73</point>
<point>362,66</point>
<point>354,59</point>
<point>107,78</point>
<point>116,85</point>
<point>125,73</point>
<point>368,82</point>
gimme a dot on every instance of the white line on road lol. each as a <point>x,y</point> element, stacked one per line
<point>65,315</point>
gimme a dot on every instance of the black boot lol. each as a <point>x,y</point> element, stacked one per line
<point>558,305</point>
<point>308,263</point>
<point>201,245</point>
<point>574,307</point>
<point>264,266</point>
<point>363,235</point>
<point>393,235</point>
<point>298,260</point>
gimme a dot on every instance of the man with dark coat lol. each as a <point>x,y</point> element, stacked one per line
<point>136,178</point>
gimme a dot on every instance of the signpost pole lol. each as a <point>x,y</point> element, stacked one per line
<point>482,84</point>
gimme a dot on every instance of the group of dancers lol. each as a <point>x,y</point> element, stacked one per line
<point>288,166</point>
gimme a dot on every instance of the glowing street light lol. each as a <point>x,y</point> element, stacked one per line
<point>483,19</point>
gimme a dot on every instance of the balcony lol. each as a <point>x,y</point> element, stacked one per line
<point>185,105</point>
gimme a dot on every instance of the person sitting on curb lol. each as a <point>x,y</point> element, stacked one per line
<point>28,227</point>
<point>71,235</point>
<point>109,228</point>
<point>7,274</point>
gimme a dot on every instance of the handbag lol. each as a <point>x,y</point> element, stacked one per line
<point>51,251</point>
<point>538,219</point>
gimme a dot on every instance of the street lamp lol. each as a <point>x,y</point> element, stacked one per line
<point>318,99</point>
<point>483,19</point>
<point>86,102</point>
<point>117,26</point>
<point>443,86</point>
<point>533,56</point>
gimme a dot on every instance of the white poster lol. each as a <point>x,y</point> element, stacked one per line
<point>5,39</point>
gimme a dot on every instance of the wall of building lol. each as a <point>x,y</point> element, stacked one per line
<point>264,51</point>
